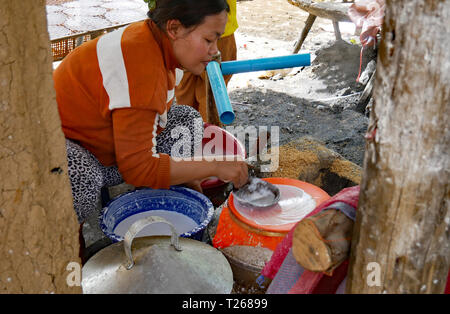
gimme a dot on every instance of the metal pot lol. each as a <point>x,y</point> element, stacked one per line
<point>157,264</point>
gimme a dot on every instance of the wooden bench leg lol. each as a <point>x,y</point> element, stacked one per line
<point>309,23</point>
<point>337,31</point>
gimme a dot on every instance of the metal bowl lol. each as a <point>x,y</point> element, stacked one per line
<point>257,193</point>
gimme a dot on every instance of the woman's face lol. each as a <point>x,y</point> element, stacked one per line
<point>194,47</point>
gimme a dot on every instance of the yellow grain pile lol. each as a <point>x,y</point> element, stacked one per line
<point>293,162</point>
<point>310,161</point>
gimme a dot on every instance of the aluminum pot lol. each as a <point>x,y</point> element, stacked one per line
<point>157,264</point>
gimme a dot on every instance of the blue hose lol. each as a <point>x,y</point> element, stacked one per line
<point>219,89</point>
<point>264,64</point>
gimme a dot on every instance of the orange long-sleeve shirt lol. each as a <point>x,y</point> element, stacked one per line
<point>113,94</point>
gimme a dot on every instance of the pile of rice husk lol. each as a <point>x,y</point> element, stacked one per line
<point>308,160</point>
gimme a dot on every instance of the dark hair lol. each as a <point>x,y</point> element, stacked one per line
<point>188,12</point>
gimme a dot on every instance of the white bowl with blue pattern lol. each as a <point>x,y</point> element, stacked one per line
<point>147,201</point>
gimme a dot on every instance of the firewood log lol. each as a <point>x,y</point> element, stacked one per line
<point>322,242</point>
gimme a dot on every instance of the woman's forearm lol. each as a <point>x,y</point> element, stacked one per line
<point>228,171</point>
<point>186,171</point>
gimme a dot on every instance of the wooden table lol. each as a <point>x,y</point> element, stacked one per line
<point>334,11</point>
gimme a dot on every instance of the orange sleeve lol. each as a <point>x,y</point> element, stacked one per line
<point>135,145</point>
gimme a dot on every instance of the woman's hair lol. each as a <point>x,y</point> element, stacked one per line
<point>188,12</point>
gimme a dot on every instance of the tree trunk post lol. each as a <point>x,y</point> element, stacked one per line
<point>401,236</point>
<point>39,246</point>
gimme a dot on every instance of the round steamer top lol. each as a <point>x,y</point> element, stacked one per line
<point>297,200</point>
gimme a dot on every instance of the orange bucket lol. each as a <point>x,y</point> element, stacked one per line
<point>237,227</point>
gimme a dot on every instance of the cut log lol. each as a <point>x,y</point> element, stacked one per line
<point>322,242</point>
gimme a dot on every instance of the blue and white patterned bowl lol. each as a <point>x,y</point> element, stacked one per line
<point>178,199</point>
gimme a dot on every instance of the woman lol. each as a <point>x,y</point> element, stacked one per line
<point>191,90</point>
<point>114,95</point>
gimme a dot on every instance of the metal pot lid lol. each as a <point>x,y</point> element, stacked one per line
<point>157,264</point>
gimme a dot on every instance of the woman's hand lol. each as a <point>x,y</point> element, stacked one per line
<point>195,185</point>
<point>232,171</point>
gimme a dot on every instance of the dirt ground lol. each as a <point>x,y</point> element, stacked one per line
<point>316,101</point>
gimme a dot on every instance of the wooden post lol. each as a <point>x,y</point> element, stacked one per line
<point>308,24</point>
<point>337,31</point>
<point>39,244</point>
<point>401,235</point>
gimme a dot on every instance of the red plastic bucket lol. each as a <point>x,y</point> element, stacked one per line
<point>230,145</point>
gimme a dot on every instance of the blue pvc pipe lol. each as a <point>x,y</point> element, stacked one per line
<point>219,89</point>
<point>264,64</point>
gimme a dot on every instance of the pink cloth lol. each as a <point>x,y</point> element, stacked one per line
<point>313,282</point>
<point>367,15</point>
